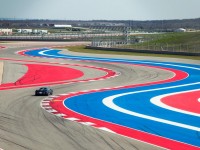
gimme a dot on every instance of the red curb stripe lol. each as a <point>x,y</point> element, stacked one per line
<point>187,101</point>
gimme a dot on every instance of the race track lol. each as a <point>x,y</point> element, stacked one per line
<point>138,100</point>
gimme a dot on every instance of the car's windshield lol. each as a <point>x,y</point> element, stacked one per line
<point>43,89</point>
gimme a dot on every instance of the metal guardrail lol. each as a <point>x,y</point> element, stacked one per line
<point>82,37</point>
<point>145,51</point>
<point>62,37</point>
<point>178,49</point>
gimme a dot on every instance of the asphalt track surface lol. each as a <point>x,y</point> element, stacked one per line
<point>25,125</point>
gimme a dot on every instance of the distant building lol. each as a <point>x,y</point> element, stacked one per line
<point>32,31</point>
<point>25,31</point>
<point>62,26</point>
<point>37,31</point>
<point>6,31</point>
<point>180,30</point>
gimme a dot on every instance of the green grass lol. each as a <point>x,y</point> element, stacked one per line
<point>187,41</point>
<point>3,42</point>
<point>174,38</point>
<point>180,38</point>
<point>82,49</point>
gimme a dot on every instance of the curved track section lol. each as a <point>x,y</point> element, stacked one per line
<point>148,112</point>
<point>24,125</point>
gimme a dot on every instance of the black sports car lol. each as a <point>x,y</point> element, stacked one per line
<point>44,91</point>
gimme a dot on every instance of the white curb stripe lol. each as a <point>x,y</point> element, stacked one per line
<point>52,110</point>
<point>106,129</point>
<point>158,102</point>
<point>108,101</point>
<point>61,115</point>
<point>72,119</point>
<point>87,123</point>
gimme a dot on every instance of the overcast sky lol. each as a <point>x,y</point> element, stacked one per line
<point>100,9</point>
